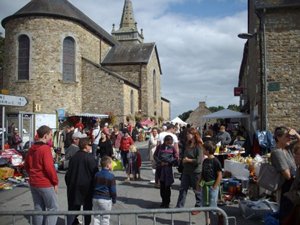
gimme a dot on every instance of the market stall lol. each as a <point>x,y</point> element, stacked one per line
<point>12,172</point>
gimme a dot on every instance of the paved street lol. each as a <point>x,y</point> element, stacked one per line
<point>133,195</point>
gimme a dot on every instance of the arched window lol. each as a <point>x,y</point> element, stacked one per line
<point>131,102</point>
<point>23,57</point>
<point>154,86</point>
<point>69,59</point>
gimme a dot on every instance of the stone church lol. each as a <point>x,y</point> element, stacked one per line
<point>58,58</point>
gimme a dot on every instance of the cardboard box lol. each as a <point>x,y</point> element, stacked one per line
<point>237,169</point>
<point>6,172</point>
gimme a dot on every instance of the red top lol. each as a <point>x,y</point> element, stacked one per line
<point>39,165</point>
<point>139,160</point>
<point>125,143</point>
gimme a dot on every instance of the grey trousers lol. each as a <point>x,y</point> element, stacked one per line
<point>44,199</point>
<point>101,205</point>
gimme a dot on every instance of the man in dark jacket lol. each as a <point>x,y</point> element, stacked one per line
<point>79,180</point>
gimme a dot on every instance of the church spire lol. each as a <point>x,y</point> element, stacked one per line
<point>128,31</point>
<point>128,16</point>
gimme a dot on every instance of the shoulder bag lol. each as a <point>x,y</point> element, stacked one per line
<point>269,178</point>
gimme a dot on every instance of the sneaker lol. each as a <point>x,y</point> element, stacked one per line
<point>194,213</point>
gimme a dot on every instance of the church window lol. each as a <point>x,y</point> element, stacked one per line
<point>154,86</point>
<point>23,57</point>
<point>131,102</point>
<point>69,59</point>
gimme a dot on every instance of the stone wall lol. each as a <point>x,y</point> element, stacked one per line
<point>283,60</point>
<point>153,101</point>
<point>101,92</point>
<point>165,110</point>
<point>45,85</point>
<point>128,101</point>
<point>282,44</point>
<point>130,72</point>
<point>142,75</point>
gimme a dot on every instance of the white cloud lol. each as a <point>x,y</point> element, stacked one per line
<point>200,57</point>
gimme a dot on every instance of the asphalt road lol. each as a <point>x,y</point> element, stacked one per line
<point>131,196</point>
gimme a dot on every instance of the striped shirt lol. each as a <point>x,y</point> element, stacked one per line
<point>105,185</point>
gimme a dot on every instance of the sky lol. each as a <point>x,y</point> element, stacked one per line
<point>199,51</point>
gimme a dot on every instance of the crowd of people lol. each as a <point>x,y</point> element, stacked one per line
<point>191,154</point>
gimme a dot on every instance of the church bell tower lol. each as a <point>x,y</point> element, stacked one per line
<point>128,31</point>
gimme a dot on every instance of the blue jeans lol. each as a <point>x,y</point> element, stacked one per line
<point>101,205</point>
<point>44,199</point>
<point>187,181</point>
<point>213,196</point>
<point>94,150</point>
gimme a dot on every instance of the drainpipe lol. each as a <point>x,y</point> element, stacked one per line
<point>264,75</point>
<point>140,88</point>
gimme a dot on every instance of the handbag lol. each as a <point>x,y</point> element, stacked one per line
<point>180,166</point>
<point>269,178</point>
<point>117,165</point>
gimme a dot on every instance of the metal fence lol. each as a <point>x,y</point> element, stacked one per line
<point>170,216</point>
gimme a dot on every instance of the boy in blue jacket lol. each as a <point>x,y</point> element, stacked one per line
<point>105,191</point>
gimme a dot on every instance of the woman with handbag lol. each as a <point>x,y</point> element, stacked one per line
<point>192,166</point>
<point>282,159</point>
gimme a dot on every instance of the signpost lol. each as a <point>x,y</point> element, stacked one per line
<point>10,100</point>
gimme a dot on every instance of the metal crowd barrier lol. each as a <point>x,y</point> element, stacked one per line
<point>155,213</point>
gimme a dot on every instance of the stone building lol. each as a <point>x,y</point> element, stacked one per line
<point>195,118</point>
<point>57,57</point>
<point>269,77</point>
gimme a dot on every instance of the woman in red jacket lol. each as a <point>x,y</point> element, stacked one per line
<point>125,144</point>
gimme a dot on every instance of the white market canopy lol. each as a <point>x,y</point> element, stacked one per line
<point>225,113</point>
<point>178,120</point>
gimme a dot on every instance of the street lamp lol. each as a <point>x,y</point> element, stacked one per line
<point>246,35</point>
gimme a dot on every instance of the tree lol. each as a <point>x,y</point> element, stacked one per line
<point>215,108</point>
<point>234,107</point>
<point>184,116</point>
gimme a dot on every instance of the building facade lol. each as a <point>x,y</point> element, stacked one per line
<point>270,70</point>
<point>57,57</point>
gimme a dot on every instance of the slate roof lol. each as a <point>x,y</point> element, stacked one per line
<point>60,9</point>
<point>130,54</point>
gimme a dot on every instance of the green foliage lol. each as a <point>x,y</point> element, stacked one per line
<point>184,116</point>
<point>234,107</point>
<point>215,108</point>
